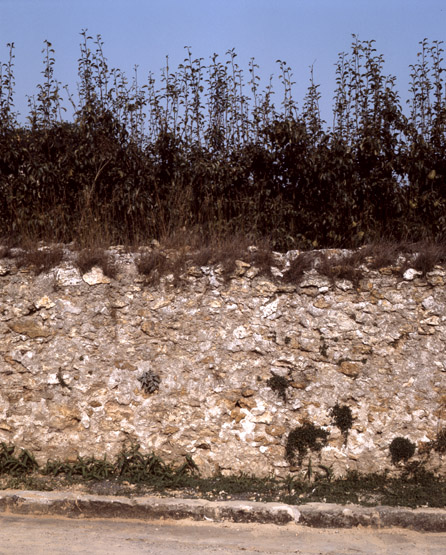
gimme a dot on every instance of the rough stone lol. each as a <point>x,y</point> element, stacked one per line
<point>29,328</point>
<point>67,277</point>
<point>95,276</point>
<point>349,368</point>
<point>411,274</point>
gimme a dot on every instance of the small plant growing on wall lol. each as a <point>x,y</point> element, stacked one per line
<point>302,439</point>
<point>88,258</point>
<point>279,384</point>
<point>149,381</point>
<point>298,266</point>
<point>401,449</point>
<point>41,260</point>
<point>440,441</point>
<point>323,349</point>
<point>342,418</point>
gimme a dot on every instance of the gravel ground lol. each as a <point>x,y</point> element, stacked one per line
<point>48,535</point>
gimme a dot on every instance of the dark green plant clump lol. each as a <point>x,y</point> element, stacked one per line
<point>150,382</point>
<point>16,462</point>
<point>439,444</point>
<point>342,418</point>
<point>279,384</point>
<point>207,149</point>
<point>130,465</point>
<point>401,449</point>
<point>302,439</point>
<point>87,468</point>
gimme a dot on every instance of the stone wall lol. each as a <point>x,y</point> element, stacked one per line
<point>75,348</point>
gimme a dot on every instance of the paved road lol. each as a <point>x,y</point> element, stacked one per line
<point>47,535</point>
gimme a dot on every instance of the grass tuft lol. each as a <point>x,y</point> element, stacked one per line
<point>88,258</point>
<point>382,254</point>
<point>428,256</point>
<point>341,267</point>
<point>298,266</point>
<point>40,259</point>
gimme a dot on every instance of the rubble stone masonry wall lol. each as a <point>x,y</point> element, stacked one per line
<point>75,351</point>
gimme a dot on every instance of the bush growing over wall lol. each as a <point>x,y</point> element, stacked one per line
<point>207,150</point>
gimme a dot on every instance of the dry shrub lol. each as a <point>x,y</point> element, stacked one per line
<point>5,252</point>
<point>185,246</point>
<point>156,264</point>
<point>383,253</point>
<point>183,239</point>
<point>423,256</point>
<point>299,265</point>
<point>340,267</point>
<point>180,250</point>
<point>151,262</point>
<point>40,260</point>
<point>354,259</point>
<point>428,256</point>
<point>88,258</point>
<point>8,244</point>
<point>225,251</point>
<point>262,257</point>
<point>202,257</point>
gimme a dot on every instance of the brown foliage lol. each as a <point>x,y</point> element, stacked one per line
<point>428,256</point>
<point>40,259</point>
<point>340,267</point>
<point>302,263</point>
<point>88,258</point>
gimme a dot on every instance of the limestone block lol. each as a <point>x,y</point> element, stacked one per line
<point>67,277</point>
<point>351,369</point>
<point>29,328</point>
<point>95,276</point>
<point>410,274</point>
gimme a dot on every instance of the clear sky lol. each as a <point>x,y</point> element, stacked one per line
<point>143,32</point>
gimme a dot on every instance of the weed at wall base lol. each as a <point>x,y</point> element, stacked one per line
<point>133,472</point>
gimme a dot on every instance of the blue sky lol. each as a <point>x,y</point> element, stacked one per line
<point>143,32</point>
